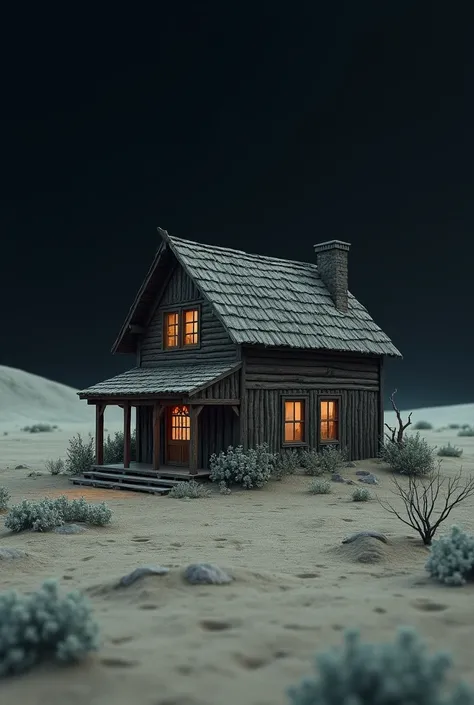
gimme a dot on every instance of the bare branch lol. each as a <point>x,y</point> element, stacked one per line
<point>420,500</point>
<point>397,436</point>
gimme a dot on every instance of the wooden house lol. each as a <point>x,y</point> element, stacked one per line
<point>234,348</point>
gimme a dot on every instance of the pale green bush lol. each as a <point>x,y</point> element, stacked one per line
<point>450,451</point>
<point>80,455</point>
<point>189,490</point>
<point>251,468</point>
<point>361,494</point>
<point>413,456</point>
<point>44,626</point>
<point>286,463</point>
<point>4,498</point>
<point>451,558</point>
<point>48,513</point>
<point>320,486</point>
<point>55,467</point>
<point>423,426</point>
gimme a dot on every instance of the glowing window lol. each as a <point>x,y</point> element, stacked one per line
<point>180,424</point>
<point>294,421</point>
<point>171,332</point>
<point>329,420</point>
<point>191,327</point>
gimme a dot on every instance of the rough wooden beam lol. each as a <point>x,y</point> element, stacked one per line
<point>194,412</point>
<point>211,402</point>
<point>127,417</point>
<point>157,414</point>
<point>99,433</point>
<point>236,410</point>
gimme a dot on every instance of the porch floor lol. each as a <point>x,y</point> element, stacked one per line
<point>147,469</point>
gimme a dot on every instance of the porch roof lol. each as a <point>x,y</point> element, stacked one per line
<point>166,379</point>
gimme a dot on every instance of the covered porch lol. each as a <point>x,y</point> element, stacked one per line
<point>169,402</point>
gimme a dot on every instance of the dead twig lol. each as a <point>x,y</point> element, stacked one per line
<point>397,435</point>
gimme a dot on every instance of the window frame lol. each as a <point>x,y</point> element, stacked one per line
<point>330,397</point>
<point>180,310</point>
<point>304,398</point>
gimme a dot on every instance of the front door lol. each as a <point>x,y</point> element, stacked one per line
<point>178,435</point>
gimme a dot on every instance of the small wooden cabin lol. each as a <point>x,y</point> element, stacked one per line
<point>234,348</point>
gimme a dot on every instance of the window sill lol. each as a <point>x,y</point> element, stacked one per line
<point>329,443</point>
<point>296,444</point>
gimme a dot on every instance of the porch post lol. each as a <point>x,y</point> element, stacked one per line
<point>157,414</point>
<point>194,412</point>
<point>99,433</point>
<point>127,416</point>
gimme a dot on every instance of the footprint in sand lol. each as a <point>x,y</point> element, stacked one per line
<point>308,575</point>
<point>379,610</point>
<point>250,663</point>
<point>148,607</point>
<point>215,625</point>
<point>87,558</point>
<point>428,606</point>
<point>118,662</point>
<point>348,520</point>
<point>141,539</point>
<point>121,639</point>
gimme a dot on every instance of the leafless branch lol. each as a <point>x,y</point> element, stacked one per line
<point>397,435</point>
<point>420,498</point>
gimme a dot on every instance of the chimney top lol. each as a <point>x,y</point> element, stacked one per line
<point>332,245</point>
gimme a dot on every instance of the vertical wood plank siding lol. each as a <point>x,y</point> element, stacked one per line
<point>272,373</point>
<point>215,343</point>
<point>227,388</point>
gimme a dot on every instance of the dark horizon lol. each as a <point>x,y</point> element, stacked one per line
<point>266,134</point>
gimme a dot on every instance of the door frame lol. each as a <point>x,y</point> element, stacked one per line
<point>170,442</point>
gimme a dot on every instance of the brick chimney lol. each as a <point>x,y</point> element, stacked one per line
<point>331,258</point>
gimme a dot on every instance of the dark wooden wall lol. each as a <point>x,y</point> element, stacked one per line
<point>271,373</point>
<point>218,428</point>
<point>215,344</point>
<point>227,388</point>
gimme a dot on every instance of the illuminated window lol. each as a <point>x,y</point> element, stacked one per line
<point>171,330</point>
<point>294,431</point>
<point>180,424</point>
<point>329,420</point>
<point>191,327</point>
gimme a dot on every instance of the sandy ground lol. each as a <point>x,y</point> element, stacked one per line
<point>296,586</point>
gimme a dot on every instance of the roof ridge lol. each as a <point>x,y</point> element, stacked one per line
<point>252,255</point>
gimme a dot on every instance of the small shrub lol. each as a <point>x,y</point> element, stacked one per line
<point>381,674</point>
<point>450,451</point>
<point>55,467</point>
<point>465,425</point>
<point>39,428</point>
<point>251,468</point>
<point>113,447</point>
<point>423,426</point>
<point>48,513</point>
<point>319,486</point>
<point>44,626</point>
<point>286,464</point>
<point>466,432</point>
<point>4,498</point>
<point>361,494</point>
<point>80,455</point>
<point>189,490</point>
<point>5,433</point>
<point>454,426</point>
<point>413,456</point>
<point>223,489</point>
<point>451,559</point>
<point>310,462</point>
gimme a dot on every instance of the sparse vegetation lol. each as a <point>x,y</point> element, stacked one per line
<point>361,494</point>
<point>46,514</point>
<point>466,432</point>
<point>381,674</point>
<point>450,451</point>
<point>319,486</point>
<point>286,464</point>
<point>423,426</point>
<point>452,558</point>
<point>397,434</point>
<point>412,456</point>
<point>40,428</point>
<point>80,455</point>
<point>420,498</point>
<point>44,626</point>
<point>113,447</point>
<point>454,426</point>
<point>4,498</point>
<point>55,467</point>
<point>235,466</point>
<point>189,490</point>
<point>330,459</point>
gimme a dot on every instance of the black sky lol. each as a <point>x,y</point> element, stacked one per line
<point>267,131</point>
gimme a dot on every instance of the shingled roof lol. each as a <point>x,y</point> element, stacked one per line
<point>276,302</point>
<point>166,379</point>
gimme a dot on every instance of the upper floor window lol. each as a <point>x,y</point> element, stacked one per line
<point>181,328</point>
<point>329,420</point>
<point>294,421</point>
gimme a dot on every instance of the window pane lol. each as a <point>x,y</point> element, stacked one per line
<point>289,411</point>
<point>191,327</point>
<point>289,432</point>
<point>298,411</point>
<point>298,431</point>
<point>332,430</point>
<point>324,410</point>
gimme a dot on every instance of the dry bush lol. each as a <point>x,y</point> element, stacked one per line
<point>426,505</point>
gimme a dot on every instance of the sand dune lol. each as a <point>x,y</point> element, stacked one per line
<point>438,416</point>
<point>296,585</point>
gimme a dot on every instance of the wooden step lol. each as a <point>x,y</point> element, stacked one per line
<point>122,477</point>
<point>111,485</point>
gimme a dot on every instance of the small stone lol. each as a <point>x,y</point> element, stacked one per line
<point>141,572</point>
<point>70,529</point>
<point>370,534</point>
<point>21,467</point>
<point>206,574</point>
<point>369,480</point>
<point>337,477</point>
<point>363,473</point>
<point>350,464</point>
<point>11,553</point>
